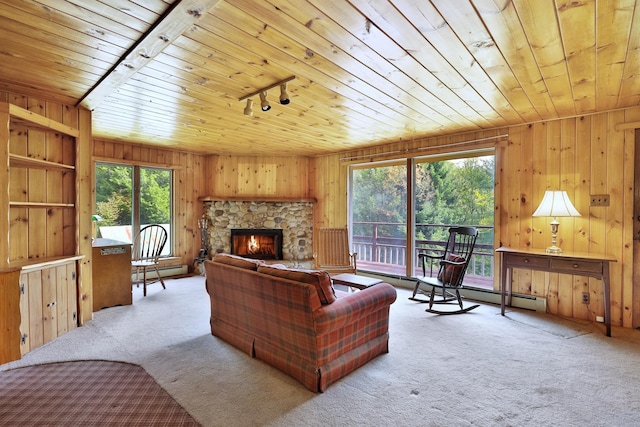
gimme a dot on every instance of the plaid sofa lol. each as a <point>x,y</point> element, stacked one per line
<point>292,320</point>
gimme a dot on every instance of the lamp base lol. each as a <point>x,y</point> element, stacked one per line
<point>553,250</point>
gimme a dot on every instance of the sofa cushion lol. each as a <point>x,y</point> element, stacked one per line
<point>320,279</point>
<point>238,261</point>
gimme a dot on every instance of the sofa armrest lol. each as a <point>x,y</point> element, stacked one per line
<point>347,309</point>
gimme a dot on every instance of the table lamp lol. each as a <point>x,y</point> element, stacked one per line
<point>555,204</point>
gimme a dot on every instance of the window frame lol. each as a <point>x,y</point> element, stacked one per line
<point>410,163</point>
<point>135,201</point>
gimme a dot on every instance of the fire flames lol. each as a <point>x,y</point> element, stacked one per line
<point>253,246</point>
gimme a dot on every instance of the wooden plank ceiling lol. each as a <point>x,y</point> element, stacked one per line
<point>366,71</point>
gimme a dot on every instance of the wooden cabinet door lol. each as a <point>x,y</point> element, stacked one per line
<point>35,332</point>
<point>25,333</point>
<point>48,305</point>
<point>68,285</point>
<point>9,316</point>
<point>62,299</point>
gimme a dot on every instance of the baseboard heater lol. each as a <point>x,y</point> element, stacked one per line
<point>527,302</point>
<point>174,270</point>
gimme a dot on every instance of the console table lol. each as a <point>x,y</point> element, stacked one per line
<point>579,264</point>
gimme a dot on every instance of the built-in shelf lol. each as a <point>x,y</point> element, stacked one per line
<point>258,199</point>
<point>17,160</point>
<point>20,115</point>
<point>40,205</point>
<point>39,222</point>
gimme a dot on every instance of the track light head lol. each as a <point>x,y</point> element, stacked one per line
<point>248,110</point>
<point>264,104</point>
<point>284,96</point>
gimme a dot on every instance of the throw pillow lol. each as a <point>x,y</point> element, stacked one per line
<point>238,261</point>
<point>320,279</point>
<point>451,273</point>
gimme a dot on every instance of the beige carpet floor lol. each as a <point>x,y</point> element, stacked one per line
<point>476,369</point>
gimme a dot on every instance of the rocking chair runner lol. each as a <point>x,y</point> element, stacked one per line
<point>453,264</point>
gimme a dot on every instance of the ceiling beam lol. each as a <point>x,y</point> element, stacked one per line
<point>171,25</point>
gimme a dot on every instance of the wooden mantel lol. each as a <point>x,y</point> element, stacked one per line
<point>274,199</point>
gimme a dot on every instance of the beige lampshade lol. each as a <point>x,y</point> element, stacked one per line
<point>556,204</point>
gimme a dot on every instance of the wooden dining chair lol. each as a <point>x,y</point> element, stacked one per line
<point>147,248</point>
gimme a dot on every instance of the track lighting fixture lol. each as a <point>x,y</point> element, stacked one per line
<point>284,96</point>
<point>248,110</point>
<point>264,104</point>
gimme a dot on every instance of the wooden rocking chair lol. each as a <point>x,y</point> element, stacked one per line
<point>452,262</point>
<point>334,255</point>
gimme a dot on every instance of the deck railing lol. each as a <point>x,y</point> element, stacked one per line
<point>377,251</point>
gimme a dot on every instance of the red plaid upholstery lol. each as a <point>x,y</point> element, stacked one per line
<point>238,261</point>
<point>320,279</point>
<point>282,322</point>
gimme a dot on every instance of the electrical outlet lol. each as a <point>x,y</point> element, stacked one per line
<point>599,200</point>
<point>585,297</point>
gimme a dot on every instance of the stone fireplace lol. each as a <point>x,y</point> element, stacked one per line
<point>294,219</point>
<point>260,243</point>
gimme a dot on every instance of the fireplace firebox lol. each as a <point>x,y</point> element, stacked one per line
<point>258,243</point>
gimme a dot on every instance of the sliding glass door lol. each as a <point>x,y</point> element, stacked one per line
<point>425,196</point>
<point>454,192</point>
<point>379,217</point>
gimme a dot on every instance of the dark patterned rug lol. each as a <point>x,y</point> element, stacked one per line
<point>87,393</point>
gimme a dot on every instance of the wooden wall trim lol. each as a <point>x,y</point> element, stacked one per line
<point>102,159</point>
<point>84,173</point>
<point>4,191</point>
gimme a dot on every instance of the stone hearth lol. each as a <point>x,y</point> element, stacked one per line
<point>294,218</point>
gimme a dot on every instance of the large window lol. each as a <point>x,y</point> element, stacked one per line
<point>443,192</point>
<point>130,197</point>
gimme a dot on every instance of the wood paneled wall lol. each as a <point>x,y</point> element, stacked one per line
<point>583,155</point>
<point>330,175</point>
<point>188,185</point>
<point>259,176</point>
